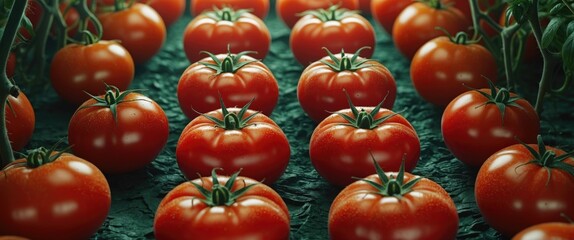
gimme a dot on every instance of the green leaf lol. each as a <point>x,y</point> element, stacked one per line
<point>568,51</point>
<point>551,31</point>
<point>557,8</point>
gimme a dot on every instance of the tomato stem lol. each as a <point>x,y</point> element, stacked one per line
<point>232,122</point>
<point>6,85</point>
<point>225,15</point>
<point>220,195</point>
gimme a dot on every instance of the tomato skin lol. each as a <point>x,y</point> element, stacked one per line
<point>11,65</point>
<point>169,10</point>
<point>320,89</point>
<point>68,198</point>
<point>258,214</point>
<point>547,231</point>
<point>310,35</point>
<point>473,132</point>
<point>260,149</point>
<point>259,8</point>
<point>248,33</point>
<point>132,142</point>
<point>288,10</point>
<point>87,63</point>
<point>20,121</point>
<point>416,24</point>
<point>139,28</point>
<point>357,213</point>
<point>513,197</point>
<point>199,87</point>
<point>339,152</point>
<point>441,69</point>
<point>385,12</point>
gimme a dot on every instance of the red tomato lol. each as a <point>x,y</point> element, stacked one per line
<point>474,127</point>
<point>340,151</point>
<point>68,198</point>
<point>289,10</point>
<point>223,213</point>
<point>124,133</point>
<point>201,85</point>
<point>553,231</point>
<point>220,30</point>
<point>417,23</point>
<point>12,238</point>
<point>259,8</point>
<point>444,68</point>
<point>320,87</point>
<point>422,211</point>
<point>242,140</point>
<point>386,11</point>
<point>11,65</point>
<point>335,29</point>
<point>78,68</point>
<point>169,10</point>
<point>139,28</point>
<point>20,121</point>
<point>514,193</point>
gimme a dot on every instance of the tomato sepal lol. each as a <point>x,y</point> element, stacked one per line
<point>547,159</point>
<point>346,63</point>
<point>226,14</point>
<point>112,98</point>
<point>363,119</point>
<point>231,120</point>
<point>230,63</point>
<point>392,187</point>
<point>499,97</point>
<point>333,13</point>
<point>221,195</point>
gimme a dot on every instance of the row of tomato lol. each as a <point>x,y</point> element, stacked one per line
<point>364,119</point>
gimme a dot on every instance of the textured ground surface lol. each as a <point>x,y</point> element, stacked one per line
<point>137,195</point>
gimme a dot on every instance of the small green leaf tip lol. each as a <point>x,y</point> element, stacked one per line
<point>230,64</point>
<point>232,120</point>
<point>345,63</point>
<point>393,186</point>
<point>363,119</point>
<point>221,195</point>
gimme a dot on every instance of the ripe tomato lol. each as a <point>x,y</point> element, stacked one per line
<point>520,186</point>
<point>220,208</point>
<point>66,197</point>
<point>552,230</point>
<point>241,139</point>
<point>169,10</point>
<point>118,132</point>
<point>321,85</point>
<point>20,121</point>
<point>220,30</point>
<point>259,8</point>
<point>386,11</point>
<point>289,10</point>
<point>384,206</point>
<point>11,65</point>
<point>417,23</point>
<point>334,29</point>
<point>77,68</point>
<point>444,68</point>
<point>139,28</point>
<point>237,77</point>
<point>341,149</point>
<point>475,126</point>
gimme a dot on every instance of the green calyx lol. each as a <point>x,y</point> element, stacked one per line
<point>231,120</point>
<point>392,187</point>
<point>363,119</point>
<point>40,156</point>
<point>548,159</point>
<point>499,97</point>
<point>345,63</point>
<point>111,99</point>
<point>333,13</point>
<point>230,64</point>
<point>221,195</point>
<point>226,14</point>
<point>436,4</point>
